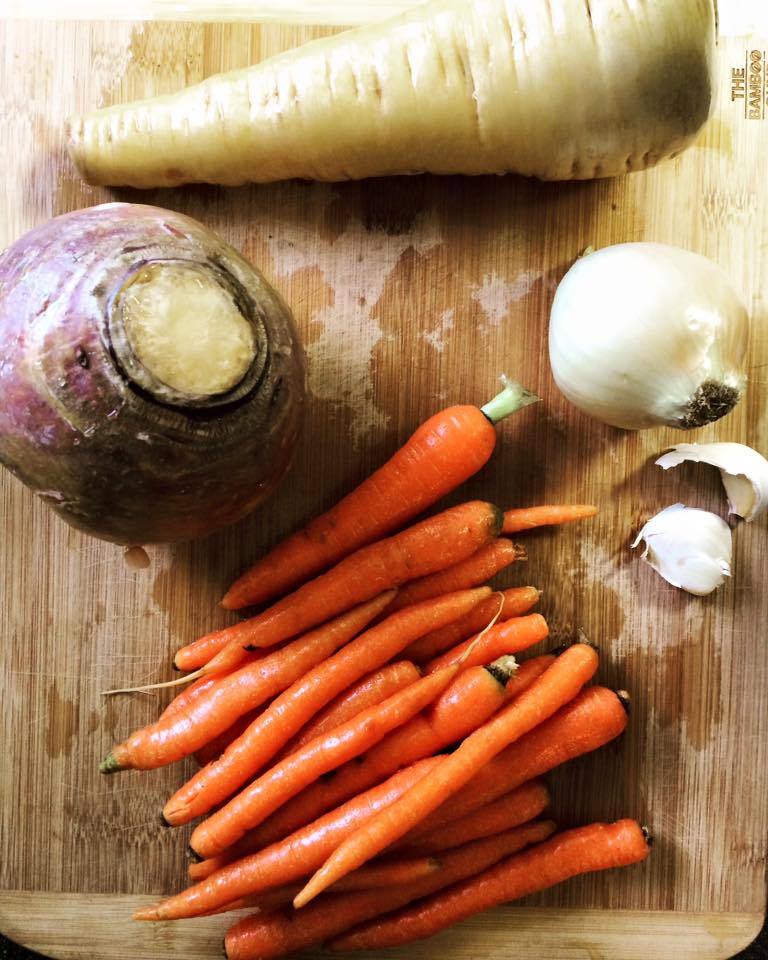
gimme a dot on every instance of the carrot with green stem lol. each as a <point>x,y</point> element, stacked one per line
<point>286,931</point>
<point>472,572</point>
<point>599,846</point>
<point>515,601</point>
<point>520,805</point>
<point>556,686</point>
<point>373,688</point>
<point>526,518</point>
<point>474,696</point>
<point>288,712</point>
<point>426,547</point>
<point>444,451</point>
<point>219,705</point>
<point>593,718</point>
<point>285,779</point>
<point>291,858</point>
<point>512,636</point>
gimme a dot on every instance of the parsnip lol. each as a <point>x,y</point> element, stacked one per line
<point>556,89</point>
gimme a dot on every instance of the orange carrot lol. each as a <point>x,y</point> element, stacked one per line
<point>373,876</point>
<point>197,654</point>
<point>326,752</point>
<point>387,873</point>
<point>214,748</point>
<point>287,931</point>
<point>472,572</point>
<point>512,636</point>
<point>556,686</point>
<point>593,718</point>
<point>426,547</point>
<point>213,711</point>
<point>446,721</point>
<point>444,451</point>
<point>188,695</point>
<point>527,671</point>
<point>290,859</point>
<point>526,518</point>
<point>374,688</point>
<point>292,709</point>
<point>510,810</point>
<point>599,846</point>
<point>515,602</point>
<point>474,696</point>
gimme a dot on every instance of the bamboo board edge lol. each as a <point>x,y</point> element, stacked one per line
<point>73,926</point>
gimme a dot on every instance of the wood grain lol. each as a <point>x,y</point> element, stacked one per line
<point>409,294</point>
<point>73,927</point>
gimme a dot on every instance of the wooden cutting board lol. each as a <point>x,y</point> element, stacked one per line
<point>410,294</point>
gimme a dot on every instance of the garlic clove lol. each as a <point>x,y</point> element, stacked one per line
<point>690,548</point>
<point>744,472</point>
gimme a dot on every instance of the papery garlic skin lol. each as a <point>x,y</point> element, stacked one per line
<point>645,334</point>
<point>743,470</point>
<point>688,547</point>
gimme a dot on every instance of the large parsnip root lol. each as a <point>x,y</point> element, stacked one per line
<point>557,89</point>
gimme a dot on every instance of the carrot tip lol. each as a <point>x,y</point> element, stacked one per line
<point>625,700</point>
<point>581,639</point>
<point>502,669</point>
<point>110,764</point>
<point>648,837</point>
<point>312,888</point>
<point>192,855</point>
<point>163,822</point>
<point>146,913</point>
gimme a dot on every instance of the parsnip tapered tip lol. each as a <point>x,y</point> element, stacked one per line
<point>110,764</point>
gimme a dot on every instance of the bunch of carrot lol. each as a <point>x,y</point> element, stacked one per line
<point>369,741</point>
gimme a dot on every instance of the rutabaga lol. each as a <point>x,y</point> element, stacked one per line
<point>151,381</point>
<point>645,334</point>
<point>562,90</point>
<point>688,547</point>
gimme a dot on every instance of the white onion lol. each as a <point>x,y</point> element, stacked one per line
<point>644,334</point>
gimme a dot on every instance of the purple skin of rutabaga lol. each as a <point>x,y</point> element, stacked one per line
<point>112,457</point>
